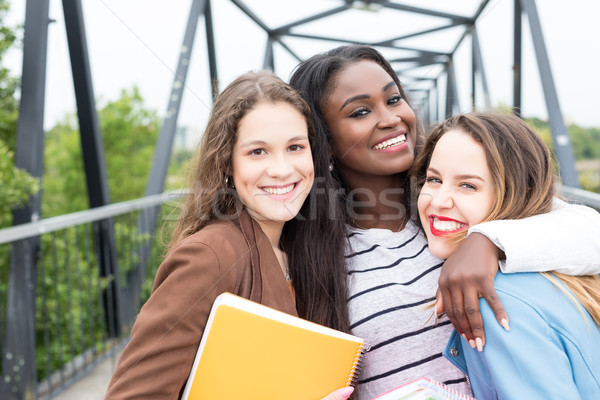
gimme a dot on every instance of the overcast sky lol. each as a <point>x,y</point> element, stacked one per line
<point>135,42</point>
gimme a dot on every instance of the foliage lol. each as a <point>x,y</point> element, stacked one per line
<point>585,143</point>
<point>16,188</point>
<point>17,185</point>
<point>8,84</point>
<point>129,133</point>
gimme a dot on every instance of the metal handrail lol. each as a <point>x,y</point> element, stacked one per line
<point>586,197</point>
<point>36,228</point>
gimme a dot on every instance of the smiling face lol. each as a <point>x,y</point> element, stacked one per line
<point>458,191</point>
<point>372,127</point>
<point>272,163</point>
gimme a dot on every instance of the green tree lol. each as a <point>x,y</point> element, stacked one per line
<point>129,133</point>
<point>585,142</point>
<point>16,185</point>
<point>16,188</point>
<point>9,105</point>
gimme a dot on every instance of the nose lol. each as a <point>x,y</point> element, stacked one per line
<point>389,119</point>
<point>280,166</point>
<point>442,199</point>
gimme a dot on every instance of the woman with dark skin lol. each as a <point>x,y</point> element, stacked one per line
<point>359,106</point>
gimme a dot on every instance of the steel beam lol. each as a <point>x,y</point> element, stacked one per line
<point>210,46</point>
<point>480,68</point>
<point>93,159</point>
<point>162,153</point>
<point>517,52</point>
<point>286,28</point>
<point>288,49</point>
<point>451,91</point>
<point>269,61</point>
<point>246,10</point>
<point>19,378</point>
<point>560,136</point>
<point>147,222</point>
<point>454,17</point>
<point>390,42</point>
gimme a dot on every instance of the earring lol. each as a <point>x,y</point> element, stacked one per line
<point>227,182</point>
<point>331,164</point>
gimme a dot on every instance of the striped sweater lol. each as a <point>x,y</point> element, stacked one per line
<point>392,279</point>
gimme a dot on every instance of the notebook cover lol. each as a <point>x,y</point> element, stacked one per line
<point>244,355</point>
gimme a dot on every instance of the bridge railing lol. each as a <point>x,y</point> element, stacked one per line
<point>71,313</point>
<point>590,199</point>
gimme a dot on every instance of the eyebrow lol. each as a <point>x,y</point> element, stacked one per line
<point>463,176</point>
<point>365,96</point>
<point>263,143</point>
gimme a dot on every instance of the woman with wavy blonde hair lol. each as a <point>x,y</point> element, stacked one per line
<point>482,167</point>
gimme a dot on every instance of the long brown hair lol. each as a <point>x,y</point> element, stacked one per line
<point>316,262</point>
<point>523,178</point>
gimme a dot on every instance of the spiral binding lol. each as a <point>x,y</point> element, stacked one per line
<point>455,394</point>
<point>357,365</point>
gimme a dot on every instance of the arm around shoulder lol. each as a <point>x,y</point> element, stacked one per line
<point>567,240</point>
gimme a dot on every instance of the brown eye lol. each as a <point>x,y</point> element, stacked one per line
<point>257,152</point>
<point>394,100</point>
<point>360,112</point>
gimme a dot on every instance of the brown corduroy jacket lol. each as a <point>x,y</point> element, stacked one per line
<point>229,256</point>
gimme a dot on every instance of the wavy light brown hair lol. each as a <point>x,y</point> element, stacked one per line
<point>523,178</point>
<point>210,197</point>
<point>313,240</point>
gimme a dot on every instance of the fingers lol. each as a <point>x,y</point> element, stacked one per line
<point>340,394</point>
<point>449,308</point>
<point>466,276</point>
<point>493,300</point>
<point>459,316</point>
<point>473,319</point>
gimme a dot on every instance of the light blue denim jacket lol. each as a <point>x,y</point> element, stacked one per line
<point>550,352</point>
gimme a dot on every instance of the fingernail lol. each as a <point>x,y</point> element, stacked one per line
<point>464,336</point>
<point>346,392</point>
<point>472,343</point>
<point>504,324</point>
<point>479,343</point>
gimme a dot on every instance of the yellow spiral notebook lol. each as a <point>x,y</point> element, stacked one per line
<point>253,352</point>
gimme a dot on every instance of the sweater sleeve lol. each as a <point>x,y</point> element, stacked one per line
<point>567,240</point>
<point>527,362</point>
<point>156,362</point>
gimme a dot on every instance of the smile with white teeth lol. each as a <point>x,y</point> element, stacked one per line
<point>447,226</point>
<point>279,190</point>
<point>390,142</point>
